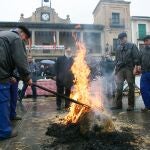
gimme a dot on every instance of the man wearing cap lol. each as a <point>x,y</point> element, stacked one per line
<point>127,56</point>
<point>25,37</point>
<point>145,70</point>
<point>12,55</point>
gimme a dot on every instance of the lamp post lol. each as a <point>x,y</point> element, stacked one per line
<point>42,3</point>
<point>50,4</point>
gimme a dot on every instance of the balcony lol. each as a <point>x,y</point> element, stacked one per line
<point>117,23</point>
<point>46,52</point>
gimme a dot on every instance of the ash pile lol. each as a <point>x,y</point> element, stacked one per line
<point>91,132</point>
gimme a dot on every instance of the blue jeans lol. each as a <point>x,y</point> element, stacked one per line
<point>5,124</point>
<point>13,99</point>
<point>145,88</point>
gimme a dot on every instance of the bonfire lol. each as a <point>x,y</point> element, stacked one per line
<point>90,116</point>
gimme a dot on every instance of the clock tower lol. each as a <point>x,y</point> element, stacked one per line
<point>45,14</point>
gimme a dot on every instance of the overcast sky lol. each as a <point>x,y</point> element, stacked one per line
<point>80,11</point>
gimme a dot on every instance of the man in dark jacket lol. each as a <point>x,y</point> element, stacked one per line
<point>64,77</point>
<point>12,55</point>
<point>127,56</point>
<point>145,69</point>
<point>25,37</point>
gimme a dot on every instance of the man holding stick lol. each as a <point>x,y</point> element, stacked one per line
<point>12,55</point>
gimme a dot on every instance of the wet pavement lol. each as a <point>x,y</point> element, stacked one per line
<point>37,116</point>
<point>32,127</point>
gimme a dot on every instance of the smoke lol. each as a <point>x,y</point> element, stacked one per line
<point>98,92</point>
<point>100,118</point>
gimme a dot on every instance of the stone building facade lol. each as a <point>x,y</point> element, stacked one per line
<point>54,33</point>
<point>51,34</point>
<point>49,40</point>
<point>114,15</point>
<point>45,14</point>
<point>140,27</point>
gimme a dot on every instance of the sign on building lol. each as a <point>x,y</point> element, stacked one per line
<point>47,47</point>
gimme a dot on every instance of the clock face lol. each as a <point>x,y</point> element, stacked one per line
<point>45,16</point>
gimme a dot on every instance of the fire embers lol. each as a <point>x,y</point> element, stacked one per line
<point>69,137</point>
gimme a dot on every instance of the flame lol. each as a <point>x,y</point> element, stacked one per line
<point>81,89</point>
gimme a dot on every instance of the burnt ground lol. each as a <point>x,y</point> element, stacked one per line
<point>70,138</point>
<point>133,130</point>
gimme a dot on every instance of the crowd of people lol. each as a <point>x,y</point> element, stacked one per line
<point>15,65</point>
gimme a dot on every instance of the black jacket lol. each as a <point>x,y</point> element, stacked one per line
<point>127,56</point>
<point>12,55</point>
<point>64,75</point>
<point>145,59</point>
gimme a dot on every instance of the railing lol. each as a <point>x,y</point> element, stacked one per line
<point>117,23</point>
<point>40,51</point>
<point>46,47</point>
<point>47,52</point>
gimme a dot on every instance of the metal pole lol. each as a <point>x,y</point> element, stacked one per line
<point>50,4</point>
<point>61,95</point>
<point>67,98</point>
<point>50,10</point>
<point>42,3</point>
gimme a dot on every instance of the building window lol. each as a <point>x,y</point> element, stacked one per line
<point>115,44</point>
<point>115,18</point>
<point>44,38</point>
<point>141,30</point>
<point>66,39</point>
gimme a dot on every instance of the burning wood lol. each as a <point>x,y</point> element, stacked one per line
<point>85,117</point>
<point>81,85</point>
